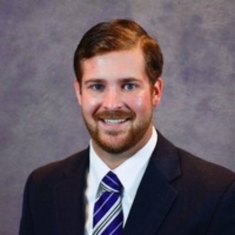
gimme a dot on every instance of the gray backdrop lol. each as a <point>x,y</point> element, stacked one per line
<point>40,121</point>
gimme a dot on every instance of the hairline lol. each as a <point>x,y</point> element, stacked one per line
<point>137,45</point>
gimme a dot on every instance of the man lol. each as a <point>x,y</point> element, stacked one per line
<point>160,189</point>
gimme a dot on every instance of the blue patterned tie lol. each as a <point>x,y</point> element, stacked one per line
<point>108,215</point>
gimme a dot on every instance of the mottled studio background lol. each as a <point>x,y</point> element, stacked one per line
<point>40,121</point>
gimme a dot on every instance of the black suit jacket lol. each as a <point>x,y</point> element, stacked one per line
<point>179,194</point>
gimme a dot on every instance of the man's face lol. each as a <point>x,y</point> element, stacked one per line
<point>117,100</point>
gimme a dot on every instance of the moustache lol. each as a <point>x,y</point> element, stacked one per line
<point>117,114</point>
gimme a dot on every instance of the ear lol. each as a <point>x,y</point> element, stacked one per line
<point>157,91</point>
<point>78,91</point>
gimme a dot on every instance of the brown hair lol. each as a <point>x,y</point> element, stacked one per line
<point>116,35</point>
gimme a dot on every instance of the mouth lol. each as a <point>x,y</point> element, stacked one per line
<point>114,118</point>
<point>114,121</point>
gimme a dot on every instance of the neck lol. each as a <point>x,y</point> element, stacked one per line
<point>113,160</point>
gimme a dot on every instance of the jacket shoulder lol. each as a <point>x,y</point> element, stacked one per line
<point>58,169</point>
<point>204,173</point>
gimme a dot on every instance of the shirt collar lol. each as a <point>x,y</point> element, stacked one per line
<point>136,164</point>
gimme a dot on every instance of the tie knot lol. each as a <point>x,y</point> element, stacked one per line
<point>111,183</point>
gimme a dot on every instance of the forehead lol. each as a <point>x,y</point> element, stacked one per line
<point>115,64</point>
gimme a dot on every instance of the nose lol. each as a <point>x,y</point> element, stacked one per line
<point>112,100</point>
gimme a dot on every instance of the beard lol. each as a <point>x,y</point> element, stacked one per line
<point>118,141</point>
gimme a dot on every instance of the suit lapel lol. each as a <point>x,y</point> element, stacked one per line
<point>155,195</point>
<point>69,196</point>
<point>153,200</point>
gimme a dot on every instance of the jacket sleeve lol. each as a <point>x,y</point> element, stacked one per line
<point>26,223</point>
<point>223,221</point>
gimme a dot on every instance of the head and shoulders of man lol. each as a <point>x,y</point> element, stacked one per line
<point>118,69</point>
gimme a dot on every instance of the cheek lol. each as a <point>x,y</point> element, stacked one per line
<point>90,104</point>
<point>141,104</point>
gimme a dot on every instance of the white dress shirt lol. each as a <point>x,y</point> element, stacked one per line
<point>129,173</point>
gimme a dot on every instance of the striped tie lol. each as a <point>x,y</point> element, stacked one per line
<point>108,216</point>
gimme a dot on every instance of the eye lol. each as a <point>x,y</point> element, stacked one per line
<point>97,87</point>
<point>129,86</point>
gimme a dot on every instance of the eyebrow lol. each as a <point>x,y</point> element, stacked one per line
<point>121,80</point>
<point>94,80</point>
<point>129,79</point>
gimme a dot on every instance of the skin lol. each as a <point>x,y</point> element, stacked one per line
<point>117,102</point>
